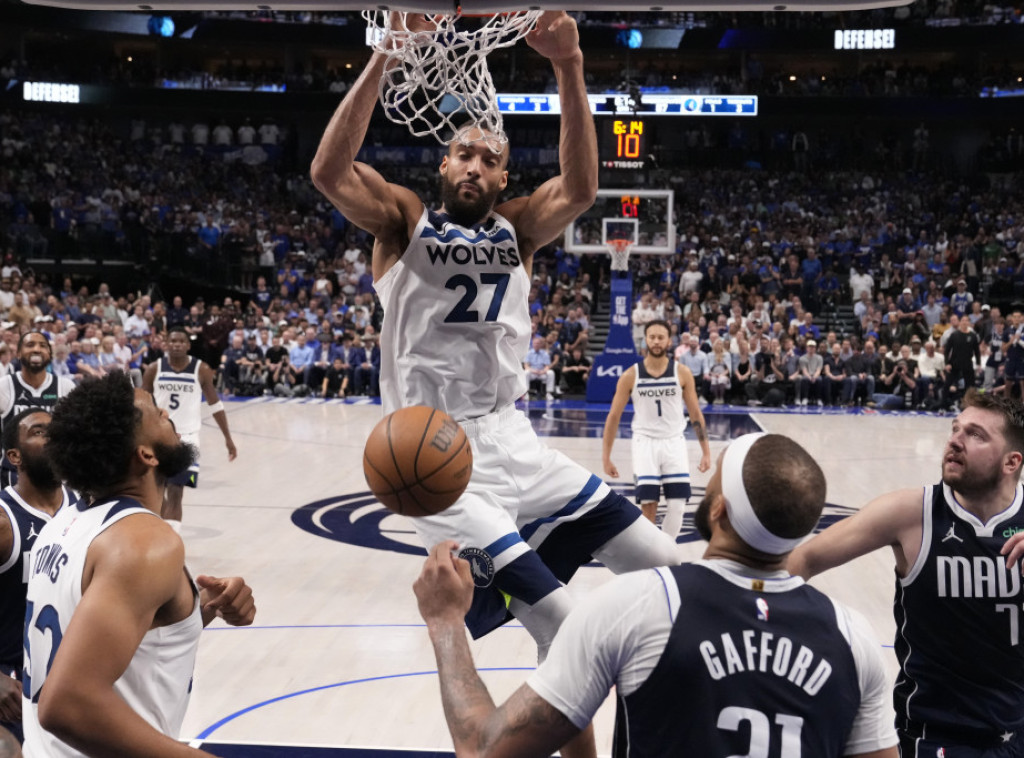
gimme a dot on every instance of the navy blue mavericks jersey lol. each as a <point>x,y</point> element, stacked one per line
<point>27,522</point>
<point>958,625</point>
<point>748,671</point>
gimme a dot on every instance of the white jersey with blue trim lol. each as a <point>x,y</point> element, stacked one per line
<point>658,403</point>
<point>456,321</point>
<point>180,394</point>
<point>158,680</point>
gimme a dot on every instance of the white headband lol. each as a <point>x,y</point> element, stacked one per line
<point>741,515</point>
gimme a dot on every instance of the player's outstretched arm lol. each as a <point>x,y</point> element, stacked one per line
<point>523,727</point>
<point>135,570</point>
<point>893,520</point>
<point>700,427</point>
<point>355,188</point>
<point>611,424</point>
<point>545,214</point>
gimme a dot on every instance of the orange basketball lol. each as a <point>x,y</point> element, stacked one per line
<point>417,461</point>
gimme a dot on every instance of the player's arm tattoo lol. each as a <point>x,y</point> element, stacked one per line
<point>700,431</point>
<point>517,727</point>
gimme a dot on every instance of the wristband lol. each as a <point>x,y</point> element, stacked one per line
<point>217,407</point>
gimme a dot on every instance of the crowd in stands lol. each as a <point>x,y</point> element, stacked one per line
<point>773,243</point>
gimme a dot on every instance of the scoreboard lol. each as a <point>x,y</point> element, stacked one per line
<point>623,143</point>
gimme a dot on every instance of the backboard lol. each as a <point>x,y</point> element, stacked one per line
<point>644,216</point>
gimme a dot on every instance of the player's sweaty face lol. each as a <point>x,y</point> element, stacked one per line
<point>471,178</point>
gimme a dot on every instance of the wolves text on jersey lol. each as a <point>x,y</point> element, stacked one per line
<point>462,254</point>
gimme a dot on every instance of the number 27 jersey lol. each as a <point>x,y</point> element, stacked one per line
<point>456,320</point>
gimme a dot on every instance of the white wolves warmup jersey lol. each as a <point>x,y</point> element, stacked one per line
<point>26,522</point>
<point>754,672</point>
<point>179,393</point>
<point>658,403</point>
<point>456,322</point>
<point>958,625</point>
<point>158,680</point>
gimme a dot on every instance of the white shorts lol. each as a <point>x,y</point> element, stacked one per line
<point>661,463</point>
<point>522,497</point>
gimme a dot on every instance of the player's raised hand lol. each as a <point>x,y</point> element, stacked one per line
<point>444,589</point>
<point>1013,549</point>
<point>555,36</point>
<point>229,597</point>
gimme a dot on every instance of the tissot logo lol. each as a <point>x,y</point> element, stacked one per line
<point>359,519</point>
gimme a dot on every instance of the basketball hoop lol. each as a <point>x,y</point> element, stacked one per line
<point>619,248</point>
<point>449,59</point>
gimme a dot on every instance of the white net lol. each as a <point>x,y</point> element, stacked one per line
<point>447,59</point>
<point>619,249</point>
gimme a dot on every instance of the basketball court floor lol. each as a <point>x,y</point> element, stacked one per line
<point>338,662</point>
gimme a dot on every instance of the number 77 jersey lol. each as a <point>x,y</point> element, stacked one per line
<point>456,319</point>
<point>958,621</point>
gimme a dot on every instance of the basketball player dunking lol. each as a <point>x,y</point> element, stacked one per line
<point>454,286</point>
<point>180,382</point>
<point>31,386</point>
<point>659,387</point>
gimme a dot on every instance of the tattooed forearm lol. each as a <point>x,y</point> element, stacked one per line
<point>466,701</point>
<point>700,431</point>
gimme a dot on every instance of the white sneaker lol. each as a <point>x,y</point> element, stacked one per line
<point>820,403</point>
<point>550,396</point>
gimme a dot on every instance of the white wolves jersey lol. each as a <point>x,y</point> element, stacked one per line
<point>658,403</point>
<point>158,679</point>
<point>960,592</point>
<point>456,322</point>
<point>26,523</point>
<point>179,393</point>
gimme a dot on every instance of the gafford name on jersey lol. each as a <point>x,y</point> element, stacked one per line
<point>758,651</point>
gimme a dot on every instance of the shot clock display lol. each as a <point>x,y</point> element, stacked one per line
<point>624,144</point>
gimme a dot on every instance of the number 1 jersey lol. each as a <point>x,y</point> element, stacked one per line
<point>456,319</point>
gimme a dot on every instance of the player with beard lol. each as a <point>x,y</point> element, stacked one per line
<point>454,284</point>
<point>24,509</point>
<point>31,386</point>
<point>659,387</point>
<point>729,655</point>
<point>958,597</point>
<point>116,679</point>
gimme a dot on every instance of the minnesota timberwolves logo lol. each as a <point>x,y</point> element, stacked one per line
<point>359,519</point>
<point>480,565</point>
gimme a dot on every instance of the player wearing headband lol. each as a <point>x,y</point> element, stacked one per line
<point>730,655</point>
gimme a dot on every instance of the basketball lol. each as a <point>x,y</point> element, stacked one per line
<point>417,461</point>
